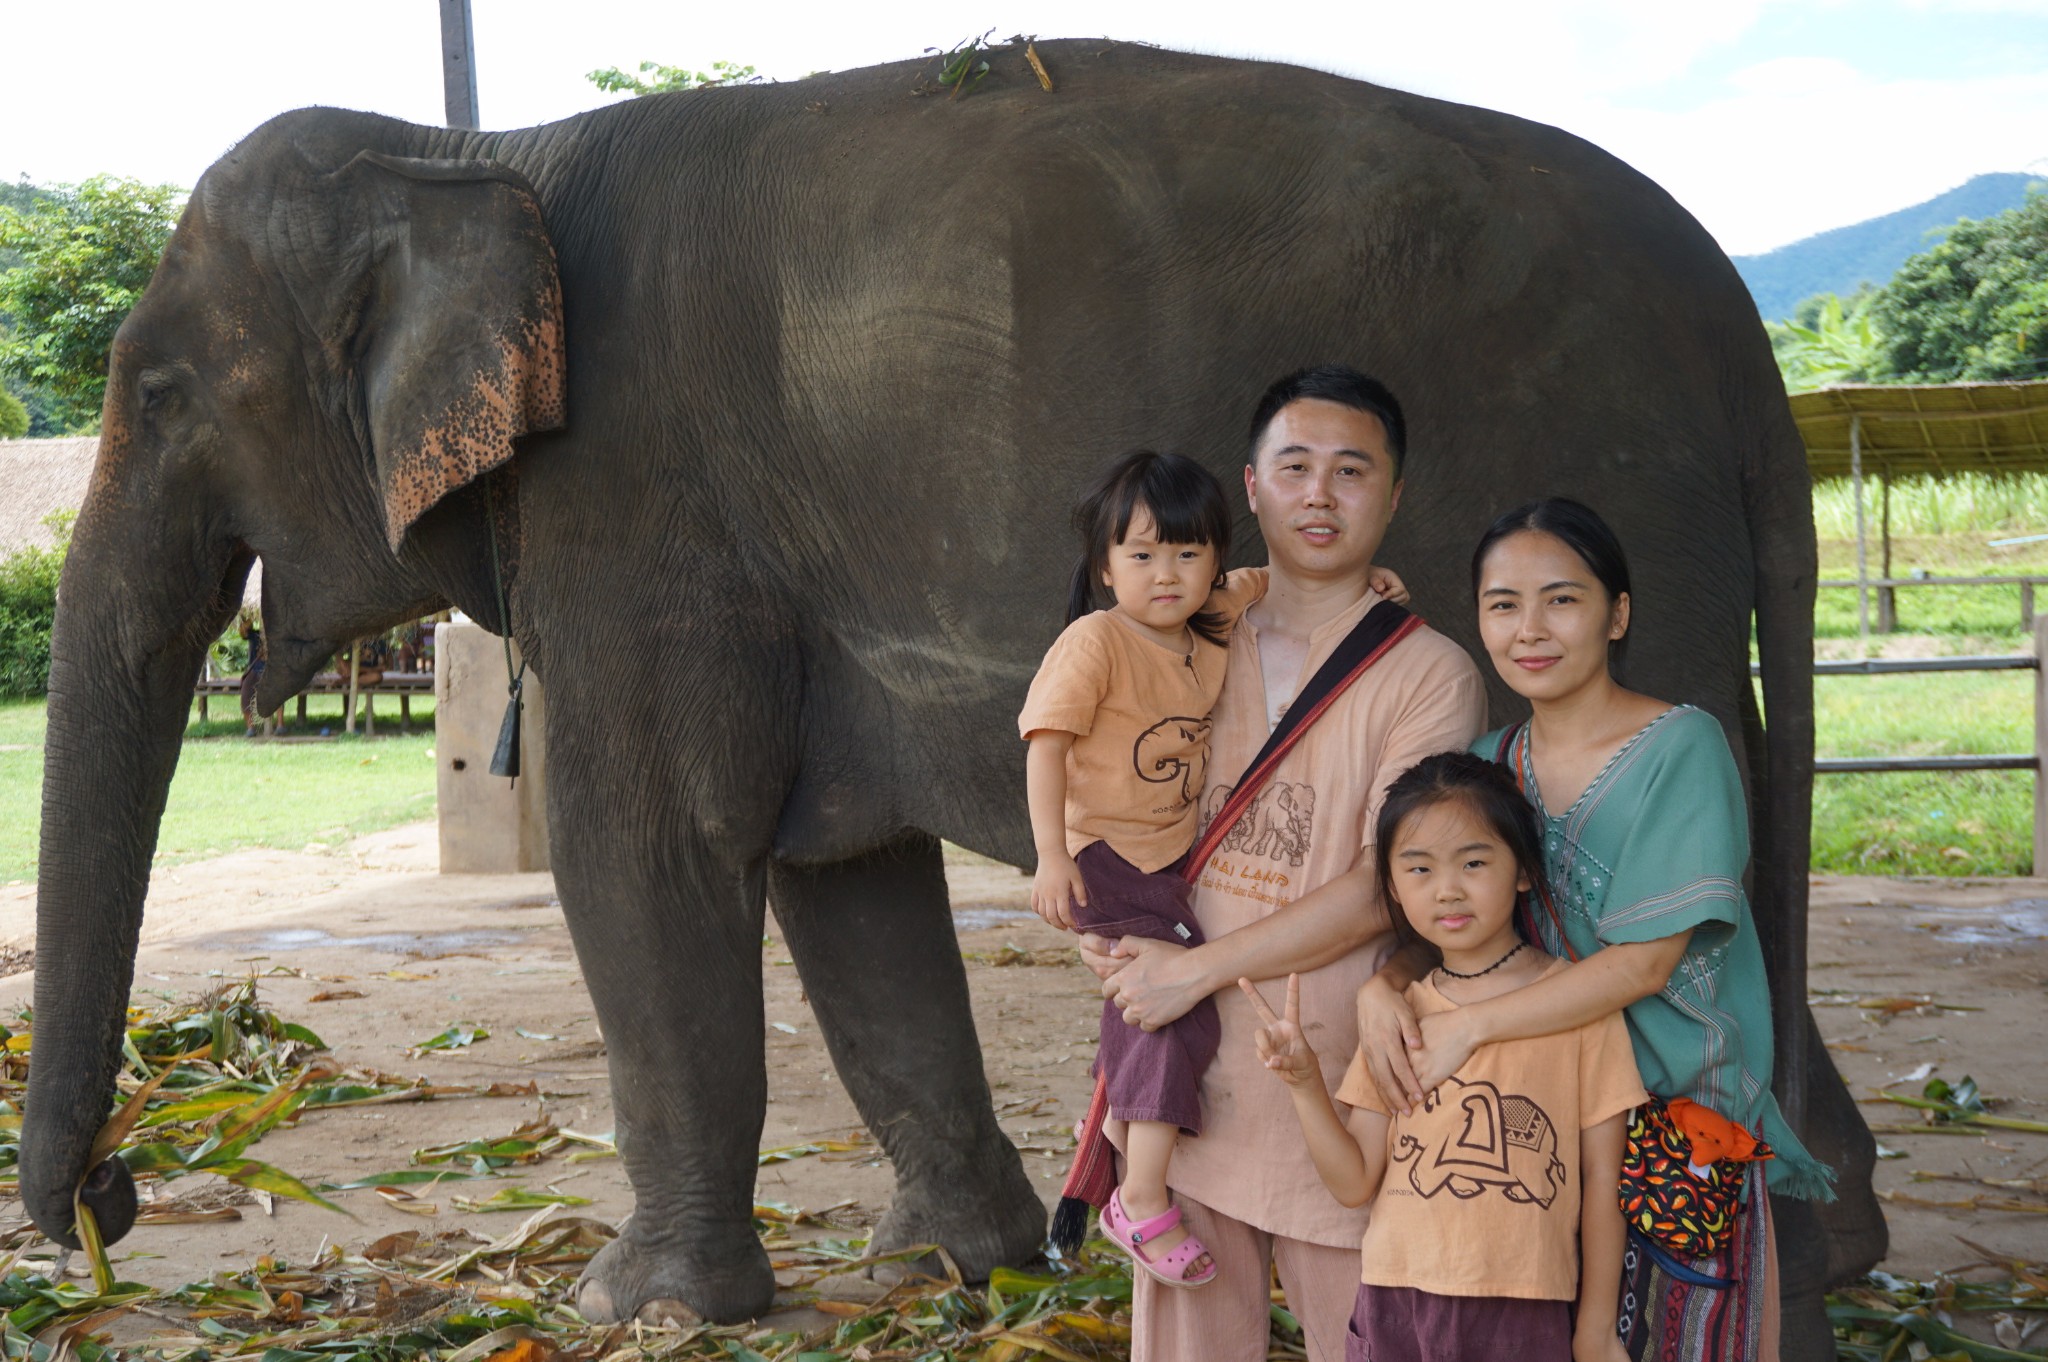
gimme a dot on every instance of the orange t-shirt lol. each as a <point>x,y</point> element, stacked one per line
<point>1140,715</point>
<point>1481,1196</point>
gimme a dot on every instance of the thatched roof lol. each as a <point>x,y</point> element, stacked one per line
<point>1926,429</point>
<point>41,476</point>
<point>36,478</point>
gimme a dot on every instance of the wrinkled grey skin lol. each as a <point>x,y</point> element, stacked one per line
<point>837,357</point>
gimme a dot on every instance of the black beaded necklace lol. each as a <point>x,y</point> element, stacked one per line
<point>1446,969</point>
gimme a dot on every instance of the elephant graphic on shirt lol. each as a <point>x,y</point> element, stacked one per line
<point>1240,832</point>
<point>1174,751</point>
<point>1279,822</point>
<point>1467,1137</point>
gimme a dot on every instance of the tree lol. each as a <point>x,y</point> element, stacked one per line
<point>1828,341</point>
<point>13,416</point>
<point>86,253</point>
<point>1975,307</point>
<point>659,79</point>
<point>28,607</point>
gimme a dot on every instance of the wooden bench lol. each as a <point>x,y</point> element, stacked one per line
<point>404,685</point>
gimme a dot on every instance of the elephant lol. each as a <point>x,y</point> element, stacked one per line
<point>1467,1137</point>
<point>1279,820</point>
<point>1174,753</point>
<point>781,390</point>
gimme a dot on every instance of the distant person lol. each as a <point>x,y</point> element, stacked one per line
<point>252,673</point>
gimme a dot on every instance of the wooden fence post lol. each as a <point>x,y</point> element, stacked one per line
<point>355,658</point>
<point>2041,745</point>
<point>2027,603</point>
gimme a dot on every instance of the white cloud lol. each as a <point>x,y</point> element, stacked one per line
<point>1807,145</point>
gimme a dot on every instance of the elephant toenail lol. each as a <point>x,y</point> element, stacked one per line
<point>667,1310</point>
<point>594,1303</point>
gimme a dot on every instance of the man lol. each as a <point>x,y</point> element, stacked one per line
<point>1324,480</point>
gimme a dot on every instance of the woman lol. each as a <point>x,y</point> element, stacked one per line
<point>1645,840</point>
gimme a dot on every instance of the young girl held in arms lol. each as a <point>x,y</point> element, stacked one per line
<point>1118,720</point>
<point>1481,1239</point>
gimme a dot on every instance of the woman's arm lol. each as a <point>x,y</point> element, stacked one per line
<point>1352,1158</point>
<point>1045,790</point>
<point>1602,1236</point>
<point>1161,981</point>
<point>1604,982</point>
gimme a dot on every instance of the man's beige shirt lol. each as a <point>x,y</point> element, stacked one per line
<point>1307,826</point>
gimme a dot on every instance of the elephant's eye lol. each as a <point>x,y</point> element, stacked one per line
<point>155,390</point>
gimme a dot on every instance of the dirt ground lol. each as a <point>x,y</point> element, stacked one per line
<point>416,952</point>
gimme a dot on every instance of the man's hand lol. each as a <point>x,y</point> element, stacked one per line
<point>1158,984</point>
<point>1389,1037</point>
<point>1056,888</point>
<point>1282,1046</point>
<point>1098,953</point>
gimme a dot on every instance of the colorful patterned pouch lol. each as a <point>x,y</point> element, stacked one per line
<point>1685,1206</point>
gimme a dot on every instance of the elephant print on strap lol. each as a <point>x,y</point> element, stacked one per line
<point>1467,1137</point>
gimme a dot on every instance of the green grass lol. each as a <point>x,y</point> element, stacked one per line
<point>1924,822</point>
<point>231,792</point>
<point>1943,529</point>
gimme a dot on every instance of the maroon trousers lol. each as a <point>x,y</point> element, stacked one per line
<point>1149,1075</point>
<point>1401,1324</point>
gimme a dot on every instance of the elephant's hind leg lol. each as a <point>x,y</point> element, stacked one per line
<point>907,1050</point>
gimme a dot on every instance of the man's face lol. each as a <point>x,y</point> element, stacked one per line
<point>1322,484</point>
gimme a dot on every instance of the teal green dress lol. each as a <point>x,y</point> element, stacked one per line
<point>1658,844</point>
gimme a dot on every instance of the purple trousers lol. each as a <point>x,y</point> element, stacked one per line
<point>1401,1324</point>
<point>1150,1075</point>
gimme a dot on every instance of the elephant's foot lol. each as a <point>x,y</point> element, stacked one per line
<point>721,1278</point>
<point>1001,1227</point>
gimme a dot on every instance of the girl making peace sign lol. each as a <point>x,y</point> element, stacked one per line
<point>1480,1240</point>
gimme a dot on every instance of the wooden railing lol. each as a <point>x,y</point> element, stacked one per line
<point>1887,605</point>
<point>2035,661</point>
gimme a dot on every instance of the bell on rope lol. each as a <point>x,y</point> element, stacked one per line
<point>505,761</point>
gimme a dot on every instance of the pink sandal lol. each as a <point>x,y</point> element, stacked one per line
<point>1168,1270</point>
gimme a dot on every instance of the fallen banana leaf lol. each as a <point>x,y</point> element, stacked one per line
<point>520,1199</point>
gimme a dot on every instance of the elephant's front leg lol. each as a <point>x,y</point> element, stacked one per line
<point>669,939</point>
<point>873,940</point>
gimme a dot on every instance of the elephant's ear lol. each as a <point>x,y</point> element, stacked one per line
<point>458,332</point>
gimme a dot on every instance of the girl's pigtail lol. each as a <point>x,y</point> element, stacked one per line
<point>1081,591</point>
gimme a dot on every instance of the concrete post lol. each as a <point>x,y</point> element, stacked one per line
<point>489,825</point>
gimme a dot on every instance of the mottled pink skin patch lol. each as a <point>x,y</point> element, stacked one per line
<point>526,390</point>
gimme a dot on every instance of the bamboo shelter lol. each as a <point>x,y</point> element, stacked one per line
<point>1916,430</point>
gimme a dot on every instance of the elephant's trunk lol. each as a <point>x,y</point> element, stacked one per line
<point>135,614</point>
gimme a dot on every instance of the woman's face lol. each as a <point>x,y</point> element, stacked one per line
<point>1544,617</point>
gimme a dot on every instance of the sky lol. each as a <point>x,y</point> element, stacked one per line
<point>1769,119</point>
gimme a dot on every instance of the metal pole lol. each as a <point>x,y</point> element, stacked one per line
<point>1862,544</point>
<point>458,64</point>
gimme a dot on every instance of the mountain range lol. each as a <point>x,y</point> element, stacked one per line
<point>1838,260</point>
